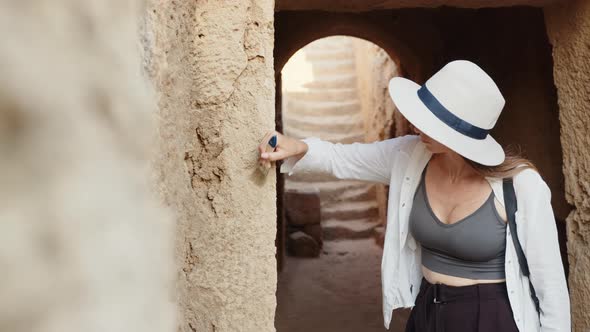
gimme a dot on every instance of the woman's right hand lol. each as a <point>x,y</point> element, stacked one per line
<point>286,147</point>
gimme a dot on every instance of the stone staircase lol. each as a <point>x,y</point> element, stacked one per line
<point>329,108</point>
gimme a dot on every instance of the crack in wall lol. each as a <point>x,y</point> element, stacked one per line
<point>215,71</point>
<point>191,260</point>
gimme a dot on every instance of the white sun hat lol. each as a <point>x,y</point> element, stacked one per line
<point>457,107</point>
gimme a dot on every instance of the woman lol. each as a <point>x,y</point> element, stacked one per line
<point>448,252</point>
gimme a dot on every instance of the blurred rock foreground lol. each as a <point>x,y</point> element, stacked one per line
<point>84,245</point>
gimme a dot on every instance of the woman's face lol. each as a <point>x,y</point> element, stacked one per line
<point>432,145</point>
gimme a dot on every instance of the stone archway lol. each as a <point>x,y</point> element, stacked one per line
<point>332,89</point>
<point>506,42</point>
<point>293,30</point>
<point>313,26</point>
<point>421,40</point>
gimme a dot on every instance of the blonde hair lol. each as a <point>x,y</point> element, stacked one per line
<point>513,164</point>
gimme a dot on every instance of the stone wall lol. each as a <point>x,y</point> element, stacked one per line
<point>85,246</point>
<point>569,31</point>
<point>374,69</point>
<point>211,63</point>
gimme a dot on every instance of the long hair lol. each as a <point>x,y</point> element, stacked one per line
<point>512,165</point>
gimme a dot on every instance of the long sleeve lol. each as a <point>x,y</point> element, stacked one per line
<point>543,255</point>
<point>357,161</point>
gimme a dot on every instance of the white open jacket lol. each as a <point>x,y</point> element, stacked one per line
<point>399,162</point>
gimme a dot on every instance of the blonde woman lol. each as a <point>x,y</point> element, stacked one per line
<point>449,253</point>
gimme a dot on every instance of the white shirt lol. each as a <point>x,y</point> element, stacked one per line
<point>398,162</point>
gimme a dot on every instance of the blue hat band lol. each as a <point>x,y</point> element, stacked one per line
<point>449,118</point>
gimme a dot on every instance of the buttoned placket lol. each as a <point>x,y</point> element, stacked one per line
<point>404,203</point>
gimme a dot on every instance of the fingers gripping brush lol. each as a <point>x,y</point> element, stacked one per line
<point>270,147</point>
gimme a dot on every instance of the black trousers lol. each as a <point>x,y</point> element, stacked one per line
<point>475,308</point>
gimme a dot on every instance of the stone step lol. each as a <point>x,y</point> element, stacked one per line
<point>331,127</point>
<point>334,229</point>
<point>333,82</point>
<point>324,95</point>
<point>351,210</point>
<point>328,54</point>
<point>344,138</point>
<point>309,182</point>
<point>328,190</point>
<point>332,124</point>
<point>322,108</point>
<point>335,67</point>
<point>359,194</point>
<point>306,121</point>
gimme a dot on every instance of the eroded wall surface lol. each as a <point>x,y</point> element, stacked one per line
<point>211,63</point>
<point>374,69</point>
<point>568,27</point>
<point>84,244</point>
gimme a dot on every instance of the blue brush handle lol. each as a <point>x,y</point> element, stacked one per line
<point>273,141</point>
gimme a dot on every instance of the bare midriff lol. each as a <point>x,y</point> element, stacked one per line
<point>438,278</point>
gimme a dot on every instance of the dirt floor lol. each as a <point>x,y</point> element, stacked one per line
<point>338,292</point>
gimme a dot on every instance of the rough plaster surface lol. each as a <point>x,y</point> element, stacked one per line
<point>569,30</point>
<point>85,246</point>
<point>212,67</point>
<point>367,5</point>
<point>374,70</point>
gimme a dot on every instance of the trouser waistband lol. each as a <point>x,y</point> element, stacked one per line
<point>441,293</point>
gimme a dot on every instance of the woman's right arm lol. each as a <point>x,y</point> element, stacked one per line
<point>357,161</point>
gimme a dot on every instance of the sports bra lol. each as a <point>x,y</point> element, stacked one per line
<point>473,247</point>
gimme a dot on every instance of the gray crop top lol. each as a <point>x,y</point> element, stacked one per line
<point>473,247</point>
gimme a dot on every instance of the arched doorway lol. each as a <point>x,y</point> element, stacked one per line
<point>422,40</point>
<point>332,88</point>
